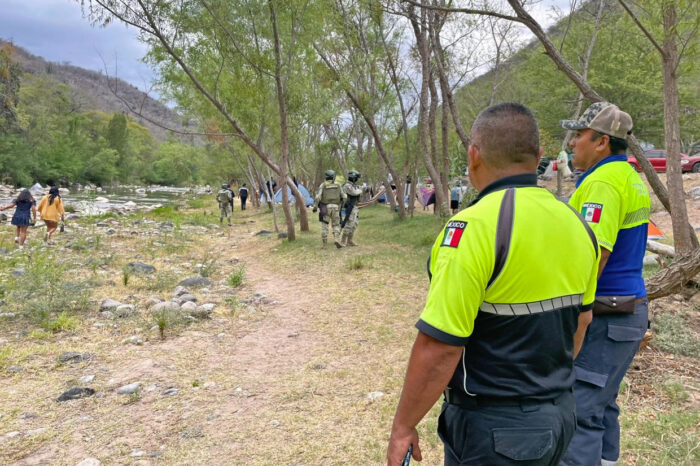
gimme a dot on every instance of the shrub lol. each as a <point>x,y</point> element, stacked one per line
<point>359,263</point>
<point>236,278</point>
<point>44,291</point>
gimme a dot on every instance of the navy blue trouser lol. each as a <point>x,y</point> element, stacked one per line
<point>532,433</point>
<point>610,345</point>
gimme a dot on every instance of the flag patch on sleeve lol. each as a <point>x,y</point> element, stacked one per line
<point>453,233</point>
<point>591,212</point>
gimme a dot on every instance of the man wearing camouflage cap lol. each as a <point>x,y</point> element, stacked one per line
<point>612,198</point>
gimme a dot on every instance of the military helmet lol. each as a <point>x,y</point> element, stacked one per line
<point>330,175</point>
<point>353,175</point>
<point>224,185</point>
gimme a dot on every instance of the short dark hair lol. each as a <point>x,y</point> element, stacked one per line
<point>506,134</point>
<point>617,145</point>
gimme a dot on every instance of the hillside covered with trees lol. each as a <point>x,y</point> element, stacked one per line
<point>55,127</point>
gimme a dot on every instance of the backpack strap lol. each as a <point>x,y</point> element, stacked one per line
<point>504,232</point>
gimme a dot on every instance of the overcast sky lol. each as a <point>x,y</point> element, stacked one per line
<point>56,31</point>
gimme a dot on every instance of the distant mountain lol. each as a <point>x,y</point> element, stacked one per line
<point>95,92</point>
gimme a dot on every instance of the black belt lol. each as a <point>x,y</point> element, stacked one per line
<point>463,400</point>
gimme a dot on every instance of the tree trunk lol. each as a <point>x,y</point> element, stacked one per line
<point>672,279</point>
<point>420,29</point>
<point>674,178</point>
<point>291,234</point>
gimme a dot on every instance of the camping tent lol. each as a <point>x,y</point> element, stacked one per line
<point>308,199</point>
<point>654,231</point>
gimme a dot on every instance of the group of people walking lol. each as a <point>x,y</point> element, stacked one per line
<point>527,337</point>
<point>50,209</point>
<point>330,199</point>
<point>225,198</point>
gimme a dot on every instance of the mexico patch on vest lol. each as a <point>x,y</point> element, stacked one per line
<point>591,212</point>
<point>453,233</point>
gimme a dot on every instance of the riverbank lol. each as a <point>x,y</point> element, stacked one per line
<point>300,361</point>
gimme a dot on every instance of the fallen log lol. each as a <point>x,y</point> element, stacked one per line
<point>675,277</point>
<point>661,249</point>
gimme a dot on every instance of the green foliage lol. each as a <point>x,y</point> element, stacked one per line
<point>359,263</point>
<point>236,278</point>
<point>44,292</point>
<point>62,322</point>
<point>126,274</point>
<point>5,353</point>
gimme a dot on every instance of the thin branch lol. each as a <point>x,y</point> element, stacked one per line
<point>469,11</point>
<point>643,29</point>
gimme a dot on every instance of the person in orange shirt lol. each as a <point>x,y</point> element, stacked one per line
<point>51,208</point>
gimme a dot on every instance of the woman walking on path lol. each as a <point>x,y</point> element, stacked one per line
<point>24,210</point>
<point>51,208</point>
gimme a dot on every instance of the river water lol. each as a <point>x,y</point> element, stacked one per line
<point>91,202</point>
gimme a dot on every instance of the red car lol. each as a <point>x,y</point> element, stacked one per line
<point>657,158</point>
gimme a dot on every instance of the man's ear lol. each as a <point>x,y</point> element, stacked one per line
<point>474,157</point>
<point>539,155</point>
<point>603,140</point>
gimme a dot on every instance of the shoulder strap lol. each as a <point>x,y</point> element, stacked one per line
<point>504,231</point>
<point>587,227</point>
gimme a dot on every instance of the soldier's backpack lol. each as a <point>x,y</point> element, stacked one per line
<point>222,197</point>
<point>331,194</point>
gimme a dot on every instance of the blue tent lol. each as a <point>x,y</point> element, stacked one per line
<point>309,200</point>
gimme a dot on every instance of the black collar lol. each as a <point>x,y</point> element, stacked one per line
<point>514,181</point>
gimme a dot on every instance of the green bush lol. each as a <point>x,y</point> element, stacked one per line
<point>45,294</point>
<point>236,278</point>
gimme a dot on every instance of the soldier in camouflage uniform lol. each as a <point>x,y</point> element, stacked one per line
<point>225,199</point>
<point>329,198</point>
<point>353,193</point>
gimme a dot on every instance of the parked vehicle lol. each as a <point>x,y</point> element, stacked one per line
<point>657,158</point>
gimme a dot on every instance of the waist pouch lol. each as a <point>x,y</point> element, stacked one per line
<point>322,211</point>
<point>614,305</point>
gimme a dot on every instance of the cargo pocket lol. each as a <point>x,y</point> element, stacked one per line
<point>624,333</point>
<point>523,444</point>
<point>592,377</point>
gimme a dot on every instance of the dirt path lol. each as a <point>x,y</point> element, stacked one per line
<point>228,373</point>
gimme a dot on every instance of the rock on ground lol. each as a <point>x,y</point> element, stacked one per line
<point>195,282</point>
<point>129,389</point>
<point>72,356</point>
<point>165,306</point>
<point>76,393</point>
<point>89,462</point>
<point>179,291</point>
<point>188,307</point>
<point>109,305</point>
<point>125,310</point>
<point>139,268</point>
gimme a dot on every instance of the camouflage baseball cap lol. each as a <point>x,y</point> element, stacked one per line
<point>603,117</point>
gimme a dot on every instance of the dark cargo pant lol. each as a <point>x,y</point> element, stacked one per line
<point>531,433</point>
<point>610,345</point>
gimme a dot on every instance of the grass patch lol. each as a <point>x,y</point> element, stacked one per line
<point>62,322</point>
<point>200,203</point>
<point>5,354</point>
<point>160,281</point>
<point>675,335</point>
<point>208,266</point>
<point>661,438</point>
<point>236,278</point>
<point>359,263</point>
